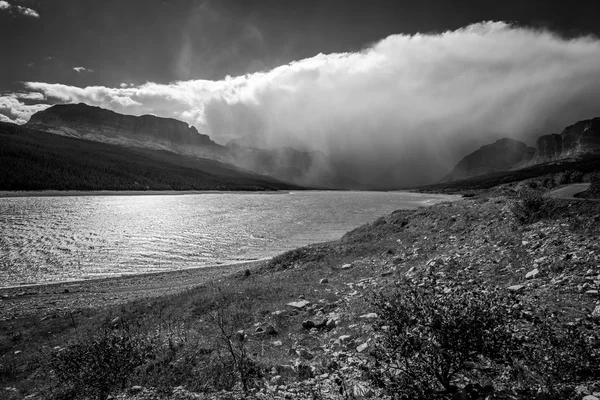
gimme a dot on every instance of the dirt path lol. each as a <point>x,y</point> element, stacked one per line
<point>59,298</point>
<point>567,192</point>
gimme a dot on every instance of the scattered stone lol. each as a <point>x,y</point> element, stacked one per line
<point>270,330</point>
<point>135,389</point>
<point>308,324</point>
<point>324,281</point>
<point>307,355</point>
<point>347,266</point>
<point>532,274</point>
<point>596,313</point>
<point>331,324</point>
<point>298,304</point>
<point>369,316</point>
<point>362,347</point>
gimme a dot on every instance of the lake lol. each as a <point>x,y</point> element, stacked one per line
<point>63,238</point>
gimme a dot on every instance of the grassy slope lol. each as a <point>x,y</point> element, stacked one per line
<point>474,239</point>
<point>35,160</point>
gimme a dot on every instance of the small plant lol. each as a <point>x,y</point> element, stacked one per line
<point>431,334</point>
<point>530,206</point>
<point>99,366</point>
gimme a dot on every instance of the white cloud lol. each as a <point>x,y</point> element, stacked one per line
<point>426,99</point>
<point>4,5</point>
<point>13,110</point>
<point>82,69</point>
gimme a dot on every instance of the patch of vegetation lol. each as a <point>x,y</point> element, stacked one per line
<point>531,206</point>
<point>436,339</point>
<point>101,365</point>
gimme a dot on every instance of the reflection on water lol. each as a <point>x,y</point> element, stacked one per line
<point>45,239</point>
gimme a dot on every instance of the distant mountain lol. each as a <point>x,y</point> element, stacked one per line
<point>577,139</point>
<point>306,168</point>
<point>146,131</point>
<point>34,160</point>
<point>503,155</point>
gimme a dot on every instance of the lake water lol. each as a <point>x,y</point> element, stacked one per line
<point>49,239</point>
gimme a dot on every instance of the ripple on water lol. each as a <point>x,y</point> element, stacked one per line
<point>47,239</point>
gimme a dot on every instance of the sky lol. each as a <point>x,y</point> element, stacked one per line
<point>377,85</point>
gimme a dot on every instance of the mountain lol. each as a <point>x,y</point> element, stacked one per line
<point>301,167</point>
<point>580,138</point>
<point>34,160</point>
<point>146,131</point>
<point>503,155</point>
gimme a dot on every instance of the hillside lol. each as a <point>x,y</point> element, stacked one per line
<point>35,160</point>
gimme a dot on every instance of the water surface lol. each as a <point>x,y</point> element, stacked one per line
<point>48,239</point>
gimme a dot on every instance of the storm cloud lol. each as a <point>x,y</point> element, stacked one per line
<point>414,104</point>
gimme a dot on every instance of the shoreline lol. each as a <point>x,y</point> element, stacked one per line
<point>55,298</point>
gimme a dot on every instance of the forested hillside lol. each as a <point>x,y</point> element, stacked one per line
<point>35,160</point>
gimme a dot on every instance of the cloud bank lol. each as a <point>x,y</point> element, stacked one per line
<point>408,105</point>
<point>26,11</point>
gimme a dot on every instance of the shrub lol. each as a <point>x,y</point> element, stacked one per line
<point>101,365</point>
<point>430,334</point>
<point>530,206</point>
<point>570,176</point>
<point>432,338</point>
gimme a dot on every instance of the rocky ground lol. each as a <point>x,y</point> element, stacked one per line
<point>309,318</point>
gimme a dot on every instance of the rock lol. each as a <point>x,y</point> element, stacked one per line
<point>362,347</point>
<point>240,335</point>
<point>592,292</point>
<point>308,324</point>
<point>17,352</point>
<point>270,330</point>
<point>135,389</point>
<point>276,380</point>
<point>386,273</point>
<point>347,266</point>
<point>277,343</point>
<point>298,304</point>
<point>590,397</point>
<point>516,288</point>
<point>369,316</point>
<point>307,355</point>
<point>532,274</point>
<point>345,338</point>
<point>260,329</point>
<point>278,312</point>
<point>331,324</point>
<point>596,313</point>
<point>324,281</point>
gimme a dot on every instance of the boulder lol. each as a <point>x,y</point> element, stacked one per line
<point>362,347</point>
<point>298,304</point>
<point>308,324</point>
<point>532,274</point>
<point>324,281</point>
<point>347,266</point>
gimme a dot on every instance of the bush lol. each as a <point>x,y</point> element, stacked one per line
<point>101,365</point>
<point>570,176</point>
<point>530,206</point>
<point>442,340</point>
<point>429,335</point>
